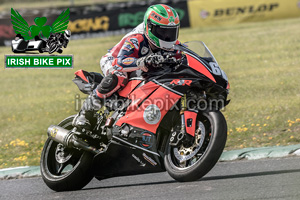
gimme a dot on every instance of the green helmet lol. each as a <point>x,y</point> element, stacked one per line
<point>161,26</point>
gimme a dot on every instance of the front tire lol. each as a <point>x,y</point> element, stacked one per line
<point>212,139</point>
<point>65,169</point>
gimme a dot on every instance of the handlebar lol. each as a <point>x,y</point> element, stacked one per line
<point>168,59</point>
<point>171,60</point>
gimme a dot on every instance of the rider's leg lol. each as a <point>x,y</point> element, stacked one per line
<point>84,119</point>
<point>109,84</point>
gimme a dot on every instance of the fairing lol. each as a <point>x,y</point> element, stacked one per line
<point>131,85</point>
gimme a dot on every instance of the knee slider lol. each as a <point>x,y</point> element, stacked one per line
<point>107,84</point>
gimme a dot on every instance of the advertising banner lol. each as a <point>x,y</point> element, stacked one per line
<point>118,20</point>
<point>220,12</point>
<point>93,21</point>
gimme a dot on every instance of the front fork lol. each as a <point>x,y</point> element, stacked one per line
<point>188,125</point>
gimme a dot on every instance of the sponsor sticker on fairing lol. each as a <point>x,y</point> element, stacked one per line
<point>149,159</point>
<point>142,164</point>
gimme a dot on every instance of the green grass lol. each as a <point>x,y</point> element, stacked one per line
<point>262,61</point>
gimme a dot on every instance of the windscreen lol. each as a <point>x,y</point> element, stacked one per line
<point>200,49</point>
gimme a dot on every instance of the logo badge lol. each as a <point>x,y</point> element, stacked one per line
<point>147,140</point>
<point>171,19</point>
<point>42,38</point>
<point>181,82</point>
<point>135,42</point>
<point>144,51</point>
<point>204,14</point>
<point>142,164</point>
<point>116,67</point>
<point>152,114</point>
<point>53,132</point>
<point>149,159</point>
<point>46,38</point>
<point>128,61</point>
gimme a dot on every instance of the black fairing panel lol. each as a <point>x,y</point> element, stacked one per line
<point>183,72</point>
<point>121,160</point>
<point>219,79</point>
<point>138,137</point>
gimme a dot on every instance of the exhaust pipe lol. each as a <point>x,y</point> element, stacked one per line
<point>67,138</point>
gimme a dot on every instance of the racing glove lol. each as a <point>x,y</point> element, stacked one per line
<point>153,60</point>
<point>141,64</point>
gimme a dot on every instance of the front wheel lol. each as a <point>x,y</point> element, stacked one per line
<point>63,168</point>
<point>193,162</point>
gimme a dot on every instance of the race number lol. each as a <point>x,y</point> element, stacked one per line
<point>215,68</point>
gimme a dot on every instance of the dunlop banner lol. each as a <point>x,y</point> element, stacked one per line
<point>220,12</point>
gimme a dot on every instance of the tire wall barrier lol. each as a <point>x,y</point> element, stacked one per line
<point>119,18</point>
<point>219,12</point>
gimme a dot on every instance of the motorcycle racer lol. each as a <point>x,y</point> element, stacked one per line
<point>140,49</point>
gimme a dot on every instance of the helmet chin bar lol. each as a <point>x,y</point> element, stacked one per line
<point>152,44</point>
<point>166,45</point>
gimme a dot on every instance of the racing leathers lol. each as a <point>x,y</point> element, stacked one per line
<point>122,59</point>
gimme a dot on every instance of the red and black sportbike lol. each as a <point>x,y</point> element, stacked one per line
<point>169,120</point>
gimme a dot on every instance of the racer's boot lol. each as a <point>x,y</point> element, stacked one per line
<point>86,116</point>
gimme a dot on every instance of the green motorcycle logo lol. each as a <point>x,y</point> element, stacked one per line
<point>40,29</point>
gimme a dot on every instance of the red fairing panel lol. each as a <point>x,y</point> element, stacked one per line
<point>196,65</point>
<point>190,118</point>
<point>149,115</point>
<point>131,85</point>
<point>138,95</point>
<point>228,86</point>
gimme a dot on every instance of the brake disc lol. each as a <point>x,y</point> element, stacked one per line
<point>183,154</point>
<point>61,155</point>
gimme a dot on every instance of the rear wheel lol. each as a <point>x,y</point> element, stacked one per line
<point>193,162</point>
<point>64,168</point>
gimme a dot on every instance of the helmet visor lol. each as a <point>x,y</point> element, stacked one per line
<point>165,33</point>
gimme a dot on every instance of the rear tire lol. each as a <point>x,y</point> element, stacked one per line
<point>206,157</point>
<point>56,161</point>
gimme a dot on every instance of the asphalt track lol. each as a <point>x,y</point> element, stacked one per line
<point>256,179</point>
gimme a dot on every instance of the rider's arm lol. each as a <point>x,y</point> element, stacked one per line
<point>129,54</point>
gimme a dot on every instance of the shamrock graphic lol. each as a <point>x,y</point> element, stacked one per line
<point>171,19</point>
<point>40,22</point>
